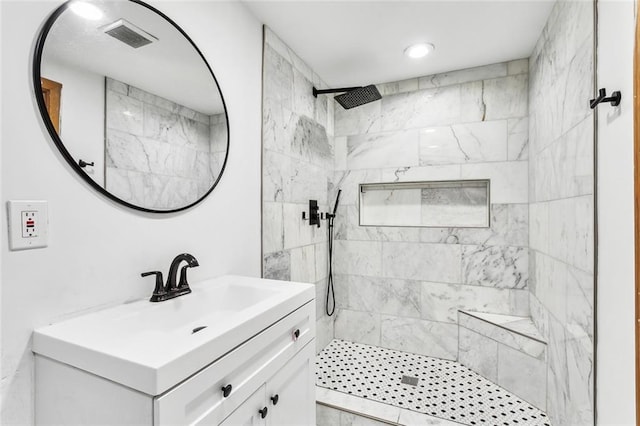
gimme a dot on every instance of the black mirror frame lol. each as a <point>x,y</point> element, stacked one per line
<point>37,62</point>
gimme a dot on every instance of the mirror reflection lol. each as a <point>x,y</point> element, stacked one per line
<point>133,103</point>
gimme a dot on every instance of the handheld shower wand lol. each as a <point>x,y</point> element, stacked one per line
<point>330,291</point>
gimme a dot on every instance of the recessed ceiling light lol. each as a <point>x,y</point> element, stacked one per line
<point>85,10</point>
<point>419,50</point>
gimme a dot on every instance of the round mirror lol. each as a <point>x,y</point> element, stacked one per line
<point>131,103</point>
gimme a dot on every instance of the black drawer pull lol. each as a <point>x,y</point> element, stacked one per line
<point>263,412</point>
<point>296,334</point>
<point>274,399</point>
<point>226,390</point>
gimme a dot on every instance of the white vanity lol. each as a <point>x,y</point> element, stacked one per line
<point>236,351</point>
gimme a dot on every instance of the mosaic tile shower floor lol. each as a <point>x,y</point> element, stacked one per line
<point>445,389</point>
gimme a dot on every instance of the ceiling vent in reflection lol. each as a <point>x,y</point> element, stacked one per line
<point>129,34</point>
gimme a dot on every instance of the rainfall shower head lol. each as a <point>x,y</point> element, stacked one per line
<point>354,96</point>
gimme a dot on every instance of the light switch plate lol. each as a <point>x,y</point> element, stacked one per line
<point>28,224</point>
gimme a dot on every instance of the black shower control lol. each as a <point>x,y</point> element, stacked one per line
<point>263,412</point>
<point>226,390</point>
<point>274,399</point>
<point>314,216</point>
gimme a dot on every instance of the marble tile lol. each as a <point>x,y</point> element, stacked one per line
<point>495,266</point>
<point>391,207</point>
<point>509,226</point>
<point>418,336</point>
<point>341,288</point>
<point>277,266</point>
<point>350,403</point>
<point>506,97</point>
<point>513,366</point>
<point>539,316</point>
<point>437,262</point>
<point>327,416</point>
<point>430,107</point>
<point>321,260</point>
<point>357,121</point>
<point>296,232</point>
<point>278,126</point>
<point>272,227</point>
<point>278,78</point>
<point>275,182</point>
<point>463,76</point>
<point>124,113</point>
<point>463,205</point>
<point>125,151</point>
<point>340,153</point>
<point>310,143</point>
<point>384,295</point>
<point>412,418</point>
<point>362,327</point>
<point>551,277</point>
<point>464,143</point>
<point>579,310</point>
<point>305,182</point>
<point>395,87</point>
<point>349,181</point>
<point>441,302</point>
<point>358,257</point>
<point>303,100</point>
<point>379,150</point>
<point>519,66</point>
<point>580,378</point>
<point>479,353</point>
<point>518,139</point>
<point>571,230</point>
<point>347,227</point>
<point>321,301</point>
<point>509,184</point>
<point>303,264</point>
<point>503,336</point>
<point>473,107</point>
<point>424,173</point>
<point>117,86</point>
<point>565,167</point>
<point>324,331</point>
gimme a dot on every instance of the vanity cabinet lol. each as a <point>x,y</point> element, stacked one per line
<point>269,379</point>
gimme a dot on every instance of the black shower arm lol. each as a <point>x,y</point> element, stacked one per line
<point>317,92</point>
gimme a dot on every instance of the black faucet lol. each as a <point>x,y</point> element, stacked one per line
<point>170,290</point>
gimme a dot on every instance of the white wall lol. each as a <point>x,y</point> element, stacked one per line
<point>98,249</point>
<point>81,114</point>
<point>615,348</point>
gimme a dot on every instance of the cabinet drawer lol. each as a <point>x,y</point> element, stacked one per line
<point>199,400</point>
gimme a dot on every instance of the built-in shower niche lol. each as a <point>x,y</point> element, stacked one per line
<point>450,204</point>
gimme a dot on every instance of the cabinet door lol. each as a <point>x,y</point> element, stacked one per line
<point>291,391</point>
<point>248,413</point>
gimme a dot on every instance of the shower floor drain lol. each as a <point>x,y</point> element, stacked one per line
<point>444,389</point>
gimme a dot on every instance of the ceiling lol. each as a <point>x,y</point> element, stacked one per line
<point>351,43</point>
<point>169,67</point>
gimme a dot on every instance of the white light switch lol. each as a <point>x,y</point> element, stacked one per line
<point>28,224</point>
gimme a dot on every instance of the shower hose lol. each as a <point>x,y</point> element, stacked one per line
<point>330,292</point>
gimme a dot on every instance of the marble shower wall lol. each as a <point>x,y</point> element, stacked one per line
<point>561,183</point>
<point>401,288</point>
<point>159,154</point>
<point>297,166</point>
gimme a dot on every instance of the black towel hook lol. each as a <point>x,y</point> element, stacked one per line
<point>614,99</point>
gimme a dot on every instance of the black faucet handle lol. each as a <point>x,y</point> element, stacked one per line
<point>183,284</point>
<point>159,290</point>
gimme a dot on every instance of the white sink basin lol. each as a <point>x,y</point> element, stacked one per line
<point>151,346</point>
